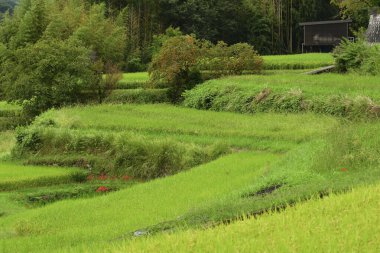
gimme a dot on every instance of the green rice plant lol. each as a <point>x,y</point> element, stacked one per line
<point>14,176</point>
<point>350,96</point>
<point>339,223</point>
<point>7,141</point>
<point>297,61</point>
<point>137,80</point>
<point>138,96</point>
<point>225,190</point>
<point>151,141</point>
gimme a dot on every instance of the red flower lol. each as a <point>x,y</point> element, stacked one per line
<point>103,177</point>
<point>344,170</point>
<point>90,177</point>
<point>102,189</point>
<point>126,178</point>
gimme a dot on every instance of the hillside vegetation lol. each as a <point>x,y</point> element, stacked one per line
<point>339,95</point>
<point>271,161</point>
<point>339,223</point>
<point>149,141</point>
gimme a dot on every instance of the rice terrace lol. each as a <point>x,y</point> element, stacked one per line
<point>189,126</point>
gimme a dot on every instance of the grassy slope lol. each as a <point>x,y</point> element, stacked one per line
<point>220,190</point>
<point>310,85</point>
<point>165,199</point>
<point>297,61</point>
<point>11,173</point>
<point>263,131</point>
<point>344,223</point>
<point>120,213</point>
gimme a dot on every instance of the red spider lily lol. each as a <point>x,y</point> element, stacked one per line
<point>126,178</point>
<point>90,177</point>
<point>344,170</point>
<point>103,177</point>
<point>102,189</point>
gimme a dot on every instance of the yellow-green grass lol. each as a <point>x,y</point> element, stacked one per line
<point>339,223</point>
<point>133,80</point>
<point>16,176</point>
<point>348,95</point>
<point>310,85</point>
<point>136,77</point>
<point>263,131</point>
<point>87,221</point>
<point>217,191</point>
<point>298,61</point>
<point>4,106</point>
<point>7,141</point>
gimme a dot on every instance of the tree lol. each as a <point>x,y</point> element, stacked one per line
<point>357,10</point>
<point>175,64</point>
<point>48,74</point>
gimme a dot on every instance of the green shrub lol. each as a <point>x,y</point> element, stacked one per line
<point>350,55</point>
<point>139,96</point>
<point>175,64</point>
<point>135,65</point>
<point>230,60</point>
<point>357,56</point>
<point>48,74</point>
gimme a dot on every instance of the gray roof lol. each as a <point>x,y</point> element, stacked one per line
<point>326,22</point>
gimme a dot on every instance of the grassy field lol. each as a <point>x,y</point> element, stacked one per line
<point>148,141</point>
<point>272,160</point>
<point>133,80</point>
<point>339,223</point>
<point>339,95</point>
<point>7,141</point>
<point>297,61</point>
<point>16,176</point>
<point>4,106</point>
<point>187,179</point>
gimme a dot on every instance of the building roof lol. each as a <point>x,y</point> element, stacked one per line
<point>326,22</point>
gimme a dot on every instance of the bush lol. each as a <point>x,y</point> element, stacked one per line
<point>182,58</point>
<point>357,56</point>
<point>175,65</point>
<point>49,74</point>
<point>230,60</point>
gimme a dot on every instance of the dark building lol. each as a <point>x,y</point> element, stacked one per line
<point>323,36</point>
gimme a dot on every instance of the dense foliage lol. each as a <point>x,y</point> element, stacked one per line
<point>54,53</point>
<point>182,58</point>
<point>358,56</point>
